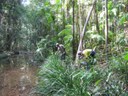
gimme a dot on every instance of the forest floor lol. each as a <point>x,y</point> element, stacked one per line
<point>17,77</point>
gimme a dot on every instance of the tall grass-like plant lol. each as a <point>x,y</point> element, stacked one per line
<point>114,78</point>
<point>58,79</point>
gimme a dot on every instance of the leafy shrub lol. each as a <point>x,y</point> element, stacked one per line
<point>44,48</point>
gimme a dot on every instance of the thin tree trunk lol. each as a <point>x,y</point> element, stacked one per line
<point>63,12</point>
<point>83,32</point>
<point>106,29</point>
<point>73,41</point>
<point>80,19</point>
<point>96,17</point>
<point>8,35</point>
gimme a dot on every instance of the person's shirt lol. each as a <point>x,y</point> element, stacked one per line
<point>87,52</point>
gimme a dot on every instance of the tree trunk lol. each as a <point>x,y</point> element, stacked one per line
<point>73,41</point>
<point>106,29</point>
<point>96,18</point>
<point>63,12</point>
<point>80,19</point>
<point>83,32</point>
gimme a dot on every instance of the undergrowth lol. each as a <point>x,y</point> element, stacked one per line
<point>57,78</point>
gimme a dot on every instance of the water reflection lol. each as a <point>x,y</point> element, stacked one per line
<point>18,76</point>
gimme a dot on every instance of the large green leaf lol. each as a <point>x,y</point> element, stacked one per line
<point>126,56</point>
<point>110,5</point>
<point>123,19</point>
<point>68,38</point>
<point>49,17</point>
<point>58,1</point>
<point>97,37</point>
<point>66,31</point>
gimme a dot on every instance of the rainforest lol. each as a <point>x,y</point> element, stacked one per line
<point>63,47</point>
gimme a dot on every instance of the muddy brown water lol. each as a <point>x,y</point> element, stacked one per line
<point>18,76</point>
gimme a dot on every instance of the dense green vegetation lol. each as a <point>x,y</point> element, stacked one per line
<point>39,25</point>
<point>57,78</point>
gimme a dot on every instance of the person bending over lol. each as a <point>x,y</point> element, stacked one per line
<point>87,57</point>
<point>61,51</point>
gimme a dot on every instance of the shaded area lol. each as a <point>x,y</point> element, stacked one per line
<point>18,76</point>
